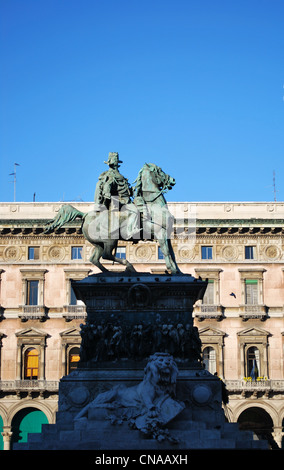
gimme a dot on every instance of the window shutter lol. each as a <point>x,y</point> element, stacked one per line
<point>251,291</point>
<point>209,293</point>
<point>32,293</point>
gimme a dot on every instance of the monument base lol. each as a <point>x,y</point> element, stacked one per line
<point>140,383</point>
<point>192,419</point>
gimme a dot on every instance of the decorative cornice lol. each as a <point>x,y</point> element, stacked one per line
<point>203,228</point>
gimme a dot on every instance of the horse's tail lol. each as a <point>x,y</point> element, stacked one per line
<point>66,213</point>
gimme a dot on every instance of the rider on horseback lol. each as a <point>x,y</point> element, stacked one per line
<point>112,184</point>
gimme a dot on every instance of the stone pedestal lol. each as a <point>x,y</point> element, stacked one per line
<point>140,383</point>
<point>131,316</point>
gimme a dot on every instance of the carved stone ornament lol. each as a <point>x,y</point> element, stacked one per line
<point>111,341</point>
<point>143,252</point>
<point>147,407</point>
<point>12,253</point>
<point>139,295</point>
<point>201,394</point>
<point>230,253</point>
<point>79,396</point>
<point>186,253</point>
<point>56,253</point>
<point>272,252</point>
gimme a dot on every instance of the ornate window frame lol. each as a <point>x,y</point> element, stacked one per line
<point>71,312</point>
<point>30,338</point>
<point>215,338</point>
<point>258,310</point>
<point>253,337</point>
<point>201,310</point>
<point>69,339</point>
<point>38,311</point>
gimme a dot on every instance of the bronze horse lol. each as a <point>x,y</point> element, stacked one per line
<point>103,227</point>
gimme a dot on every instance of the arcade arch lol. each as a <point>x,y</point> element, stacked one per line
<point>27,420</point>
<point>34,414</point>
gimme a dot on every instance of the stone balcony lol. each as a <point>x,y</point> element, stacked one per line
<point>233,385</point>
<point>71,312</point>
<point>257,311</point>
<point>205,311</point>
<point>255,387</point>
<point>28,386</point>
<point>33,312</point>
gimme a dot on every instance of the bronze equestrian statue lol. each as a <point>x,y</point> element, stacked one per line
<point>124,213</point>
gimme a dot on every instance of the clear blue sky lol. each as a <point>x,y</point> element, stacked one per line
<point>195,86</point>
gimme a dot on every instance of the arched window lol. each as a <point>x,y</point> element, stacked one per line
<point>73,359</point>
<point>253,362</point>
<point>209,359</point>
<point>31,364</point>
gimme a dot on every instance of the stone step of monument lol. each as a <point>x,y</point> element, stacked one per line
<point>187,425</point>
<point>20,446</point>
<point>34,437</point>
<point>208,434</point>
<point>88,434</point>
<point>255,444</point>
<point>70,435</point>
<point>242,435</point>
<point>230,427</point>
<point>48,430</point>
<point>216,444</point>
<point>245,444</point>
<point>189,440</point>
<point>211,419</point>
<point>245,439</point>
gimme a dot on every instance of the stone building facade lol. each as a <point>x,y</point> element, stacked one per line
<point>238,247</point>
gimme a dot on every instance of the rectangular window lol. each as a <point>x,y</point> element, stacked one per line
<point>160,253</point>
<point>74,358</point>
<point>33,252</point>
<point>32,293</point>
<point>76,252</point>
<point>73,299</point>
<point>249,252</point>
<point>253,362</point>
<point>251,291</point>
<point>209,359</point>
<point>206,252</point>
<point>208,297</point>
<point>121,252</point>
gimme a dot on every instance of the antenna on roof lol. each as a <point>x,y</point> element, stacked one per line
<point>15,179</point>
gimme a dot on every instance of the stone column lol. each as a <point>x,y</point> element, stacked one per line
<point>19,362</point>
<point>278,435</point>
<point>7,434</point>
